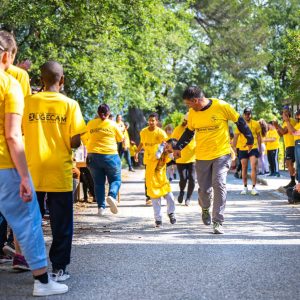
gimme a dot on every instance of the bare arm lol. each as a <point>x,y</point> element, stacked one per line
<point>138,150</point>
<point>259,141</point>
<point>281,131</point>
<point>13,136</point>
<point>234,142</point>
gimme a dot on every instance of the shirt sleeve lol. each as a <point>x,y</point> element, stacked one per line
<point>77,122</point>
<point>14,98</point>
<point>190,123</point>
<point>230,113</point>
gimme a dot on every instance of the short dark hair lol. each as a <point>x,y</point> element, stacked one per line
<point>153,115</point>
<point>192,92</point>
<point>103,110</point>
<point>51,72</point>
<point>172,142</point>
<point>7,42</point>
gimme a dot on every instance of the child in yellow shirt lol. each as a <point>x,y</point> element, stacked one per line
<point>158,185</point>
<point>132,150</point>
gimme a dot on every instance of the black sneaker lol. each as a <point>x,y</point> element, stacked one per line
<point>158,223</point>
<point>206,218</point>
<point>180,197</point>
<point>291,184</point>
<point>131,170</point>
<point>172,218</point>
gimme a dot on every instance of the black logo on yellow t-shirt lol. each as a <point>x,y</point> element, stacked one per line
<point>96,130</point>
<point>47,117</point>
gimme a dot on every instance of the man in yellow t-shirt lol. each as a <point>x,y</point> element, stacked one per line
<point>289,144</point>
<point>272,146</point>
<point>18,203</point>
<point>52,126</point>
<point>209,119</point>
<point>151,137</point>
<point>185,164</point>
<point>23,78</point>
<point>245,155</point>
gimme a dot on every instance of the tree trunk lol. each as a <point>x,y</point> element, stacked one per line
<point>137,122</point>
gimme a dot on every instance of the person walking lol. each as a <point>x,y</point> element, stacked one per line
<point>272,145</point>
<point>289,145</point>
<point>151,137</point>
<point>103,159</point>
<point>208,118</point>
<point>53,123</point>
<point>185,164</point>
<point>245,155</point>
<point>18,202</point>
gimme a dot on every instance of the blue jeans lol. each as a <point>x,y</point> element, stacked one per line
<point>102,166</point>
<point>24,218</point>
<point>297,158</point>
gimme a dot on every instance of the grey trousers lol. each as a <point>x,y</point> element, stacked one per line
<point>211,176</point>
<point>156,203</point>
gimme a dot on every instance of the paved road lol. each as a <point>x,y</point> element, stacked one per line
<point>125,257</point>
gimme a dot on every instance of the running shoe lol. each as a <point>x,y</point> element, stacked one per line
<point>244,191</point>
<point>59,275</point>
<point>112,204</point>
<point>217,228</point>
<point>50,288</point>
<point>172,218</point>
<point>180,197</point>
<point>20,263</point>
<point>254,192</point>
<point>9,249</point>
<point>206,218</point>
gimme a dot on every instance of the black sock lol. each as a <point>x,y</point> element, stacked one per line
<point>245,185</point>
<point>253,186</point>
<point>293,178</point>
<point>42,278</point>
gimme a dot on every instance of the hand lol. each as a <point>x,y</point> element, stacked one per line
<point>297,187</point>
<point>136,157</point>
<point>275,124</point>
<point>177,154</point>
<point>25,190</point>
<point>249,147</point>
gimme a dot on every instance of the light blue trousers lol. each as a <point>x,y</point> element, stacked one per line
<point>23,218</point>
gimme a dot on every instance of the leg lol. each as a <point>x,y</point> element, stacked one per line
<point>253,163</point>
<point>191,180</point>
<point>297,158</point>
<point>244,163</point>
<point>220,169</point>
<point>276,152</point>
<point>61,220</point>
<point>182,176</point>
<point>3,232</point>
<point>41,201</point>
<point>170,203</point>
<point>98,174</point>
<point>270,160</point>
<point>113,173</point>
<point>24,219</point>
<point>156,204</point>
<point>204,177</point>
<point>127,158</point>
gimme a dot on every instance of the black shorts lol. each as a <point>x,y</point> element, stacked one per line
<point>245,154</point>
<point>290,153</point>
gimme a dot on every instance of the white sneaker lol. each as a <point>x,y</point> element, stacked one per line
<point>59,276</point>
<point>48,289</point>
<point>254,192</point>
<point>101,211</point>
<point>244,191</point>
<point>112,204</point>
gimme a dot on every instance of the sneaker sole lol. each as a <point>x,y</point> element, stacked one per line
<point>9,251</point>
<point>21,268</point>
<point>49,293</point>
<point>112,205</point>
<point>218,232</point>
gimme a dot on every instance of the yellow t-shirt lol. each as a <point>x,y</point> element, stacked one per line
<point>126,139</point>
<point>22,77</point>
<point>272,145</point>
<point>297,127</point>
<point>121,126</point>
<point>50,120</point>
<point>255,129</point>
<point>11,101</point>
<point>132,150</point>
<point>103,136</point>
<point>288,138</point>
<point>212,130</point>
<point>157,182</point>
<point>151,140</point>
<point>188,152</point>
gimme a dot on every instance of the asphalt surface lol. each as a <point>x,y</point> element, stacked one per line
<point>124,257</point>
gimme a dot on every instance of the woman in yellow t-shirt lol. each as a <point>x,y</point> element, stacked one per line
<point>272,145</point>
<point>103,159</point>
